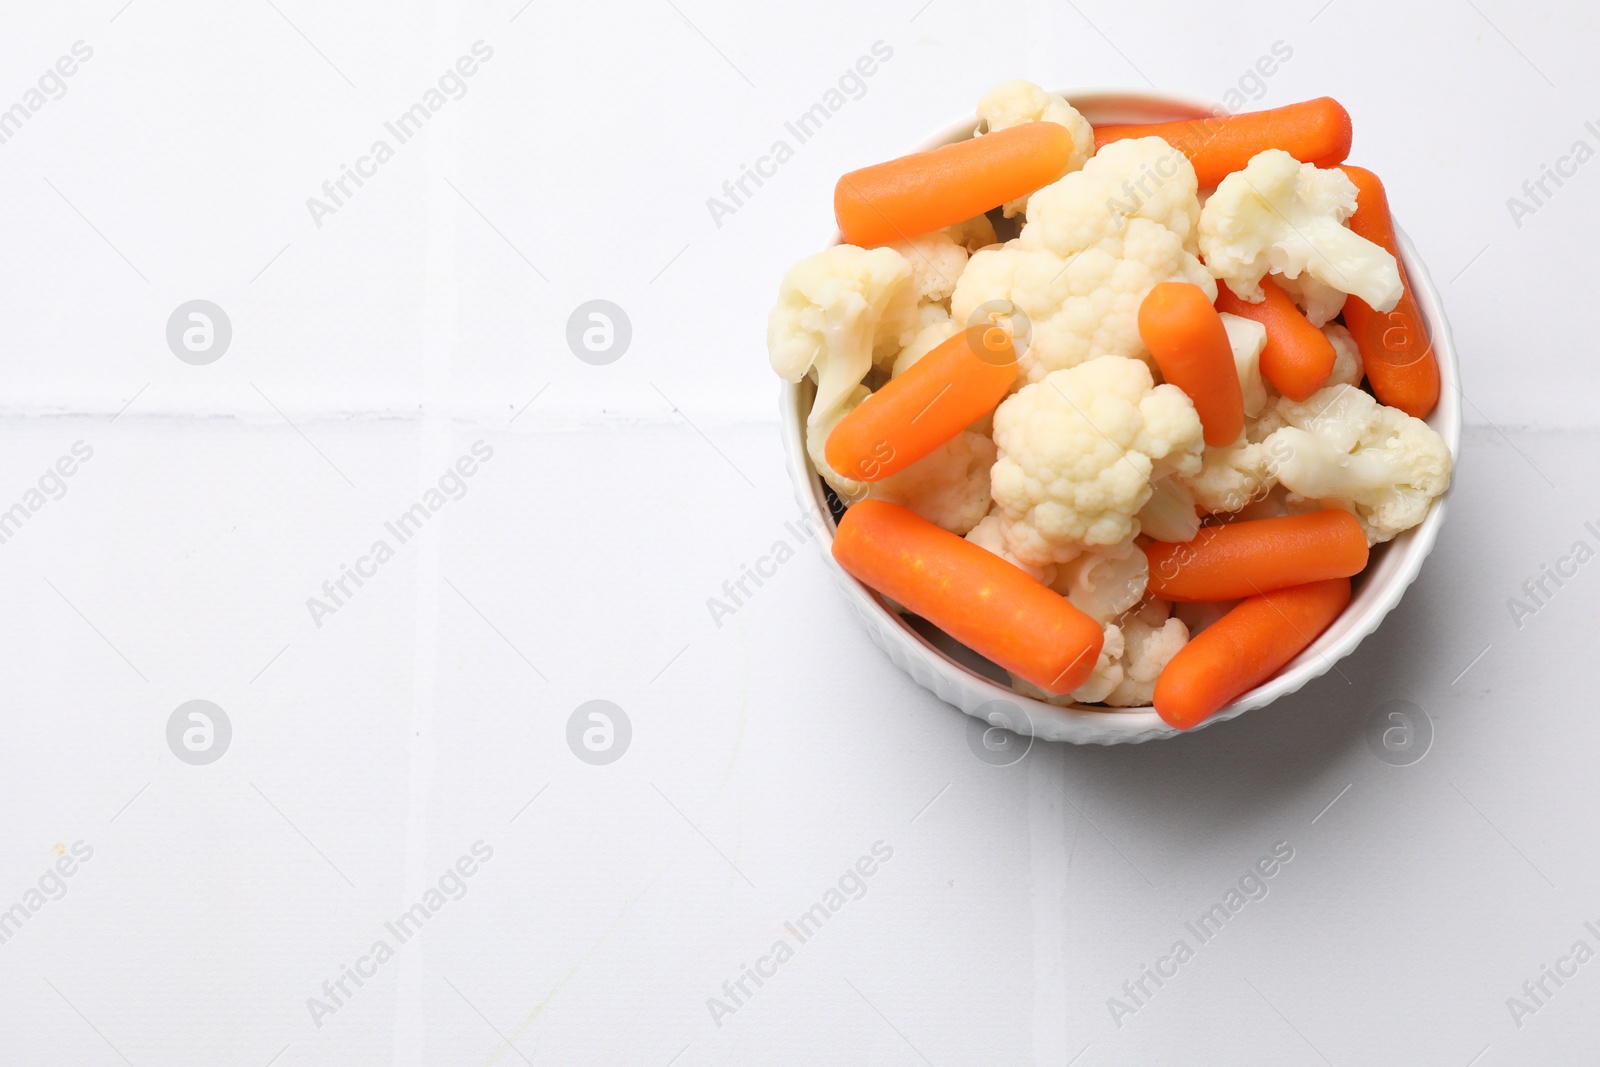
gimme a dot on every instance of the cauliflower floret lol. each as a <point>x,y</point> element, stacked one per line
<point>1232,476</point>
<point>849,489</point>
<point>1169,514</point>
<point>1079,307</point>
<point>1107,673</point>
<point>936,262</point>
<point>1146,652</point>
<point>1140,178</point>
<point>1247,338</point>
<point>1346,356</point>
<point>987,535</point>
<point>1130,661</point>
<point>949,486</point>
<point>1279,502</point>
<point>937,328</point>
<point>1320,302</point>
<point>1016,102</point>
<point>1152,611</point>
<point>1287,217</point>
<point>1104,582</point>
<point>1095,243</point>
<point>1077,452</point>
<point>928,314</point>
<point>1343,447</point>
<point>838,313</point>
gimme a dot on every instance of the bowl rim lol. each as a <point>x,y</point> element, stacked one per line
<point>978,695</point>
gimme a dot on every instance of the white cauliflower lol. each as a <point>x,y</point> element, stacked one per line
<point>1277,503</point>
<point>1320,302</point>
<point>1130,661</point>
<point>1016,102</point>
<point>1169,514</point>
<point>838,313</point>
<point>849,489</point>
<point>1146,652</point>
<point>937,328</point>
<point>1095,243</point>
<point>1077,453</point>
<point>928,314</point>
<point>1232,476</point>
<point>1107,673</point>
<point>1287,217</point>
<point>1104,582</point>
<point>1346,356</point>
<point>1140,178</point>
<point>1152,611</point>
<point>949,486</point>
<point>987,535</point>
<point>1344,448</point>
<point>936,262</point>
<point>1247,338</point>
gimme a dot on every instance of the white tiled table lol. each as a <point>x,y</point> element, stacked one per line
<point>428,715</point>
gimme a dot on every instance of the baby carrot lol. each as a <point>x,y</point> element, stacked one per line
<point>936,398</point>
<point>1298,357</point>
<point>1244,648</point>
<point>1314,131</point>
<point>1396,351</point>
<point>1242,559</point>
<point>970,593</point>
<point>1185,335</point>
<point>928,191</point>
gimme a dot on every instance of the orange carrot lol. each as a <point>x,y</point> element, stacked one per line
<point>934,399</point>
<point>1298,357</point>
<point>1396,351</point>
<point>1244,648</point>
<point>1242,559</point>
<point>986,603</point>
<point>1315,131</point>
<point>1185,335</point>
<point>928,191</point>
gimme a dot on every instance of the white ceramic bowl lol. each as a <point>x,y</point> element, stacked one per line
<point>958,676</point>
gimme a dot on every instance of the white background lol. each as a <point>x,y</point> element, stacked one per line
<point>771,752</point>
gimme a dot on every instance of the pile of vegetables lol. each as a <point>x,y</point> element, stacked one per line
<point>1125,454</point>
